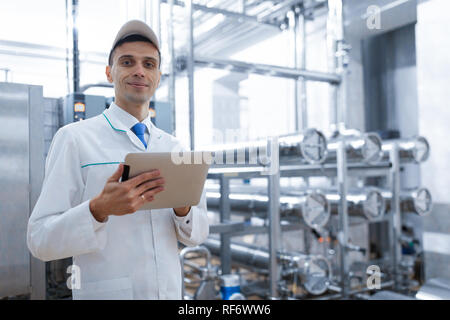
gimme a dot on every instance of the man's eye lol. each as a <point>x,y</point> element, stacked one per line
<point>126,62</point>
<point>149,65</point>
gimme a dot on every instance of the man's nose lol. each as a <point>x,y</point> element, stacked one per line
<point>139,71</point>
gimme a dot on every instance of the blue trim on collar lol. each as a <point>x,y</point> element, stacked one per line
<point>111,124</point>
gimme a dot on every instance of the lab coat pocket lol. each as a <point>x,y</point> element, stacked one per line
<point>114,289</point>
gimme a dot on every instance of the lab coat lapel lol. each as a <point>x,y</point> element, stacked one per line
<point>120,127</point>
<point>154,144</point>
<point>135,140</point>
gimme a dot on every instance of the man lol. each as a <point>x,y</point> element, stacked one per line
<point>86,212</point>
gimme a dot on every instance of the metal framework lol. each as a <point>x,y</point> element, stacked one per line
<point>364,156</point>
<point>274,17</point>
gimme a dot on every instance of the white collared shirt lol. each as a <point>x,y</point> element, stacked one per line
<point>129,120</point>
<point>134,256</point>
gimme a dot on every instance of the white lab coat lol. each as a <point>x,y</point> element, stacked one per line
<point>133,256</point>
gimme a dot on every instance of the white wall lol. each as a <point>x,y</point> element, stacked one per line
<point>433,74</point>
<point>433,70</point>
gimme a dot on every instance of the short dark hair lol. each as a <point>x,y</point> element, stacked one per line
<point>132,38</point>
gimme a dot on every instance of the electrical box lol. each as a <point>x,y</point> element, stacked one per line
<point>78,106</point>
<point>161,114</point>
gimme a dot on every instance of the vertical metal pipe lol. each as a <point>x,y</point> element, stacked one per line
<point>395,214</point>
<point>343,215</point>
<point>225,239</point>
<point>337,62</point>
<point>302,65</point>
<point>301,84</point>
<point>341,64</point>
<point>293,22</point>
<point>274,219</point>
<point>67,46</point>
<point>190,71</point>
<point>331,54</point>
<point>172,78</point>
<point>76,54</point>
<point>158,19</point>
<point>297,24</point>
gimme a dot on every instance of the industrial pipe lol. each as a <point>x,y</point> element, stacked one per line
<point>418,201</point>
<point>315,271</point>
<point>414,150</point>
<point>366,203</point>
<point>313,207</point>
<point>76,53</point>
<point>268,70</point>
<point>365,147</point>
<point>306,147</point>
<point>198,249</point>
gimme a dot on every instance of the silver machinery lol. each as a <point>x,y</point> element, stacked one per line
<point>310,207</point>
<point>314,209</point>
<point>415,149</point>
<point>21,176</point>
<point>309,146</point>
<point>348,159</point>
<point>314,205</point>
<point>313,272</point>
<point>29,122</point>
<point>418,201</point>
<point>80,106</point>
<point>332,226</point>
<point>367,203</point>
<point>360,147</point>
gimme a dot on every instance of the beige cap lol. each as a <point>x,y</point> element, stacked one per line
<point>136,27</point>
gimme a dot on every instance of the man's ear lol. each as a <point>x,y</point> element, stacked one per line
<point>108,74</point>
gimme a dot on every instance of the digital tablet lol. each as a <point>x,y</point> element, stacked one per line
<point>184,180</point>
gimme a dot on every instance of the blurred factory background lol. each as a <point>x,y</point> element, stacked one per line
<point>353,91</point>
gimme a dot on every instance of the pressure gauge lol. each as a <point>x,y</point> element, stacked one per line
<point>421,150</point>
<point>374,205</point>
<point>371,149</point>
<point>316,210</point>
<point>423,202</point>
<point>316,274</point>
<point>314,146</point>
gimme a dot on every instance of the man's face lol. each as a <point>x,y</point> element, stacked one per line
<point>134,72</point>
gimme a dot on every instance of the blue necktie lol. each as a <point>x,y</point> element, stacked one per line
<point>139,130</point>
